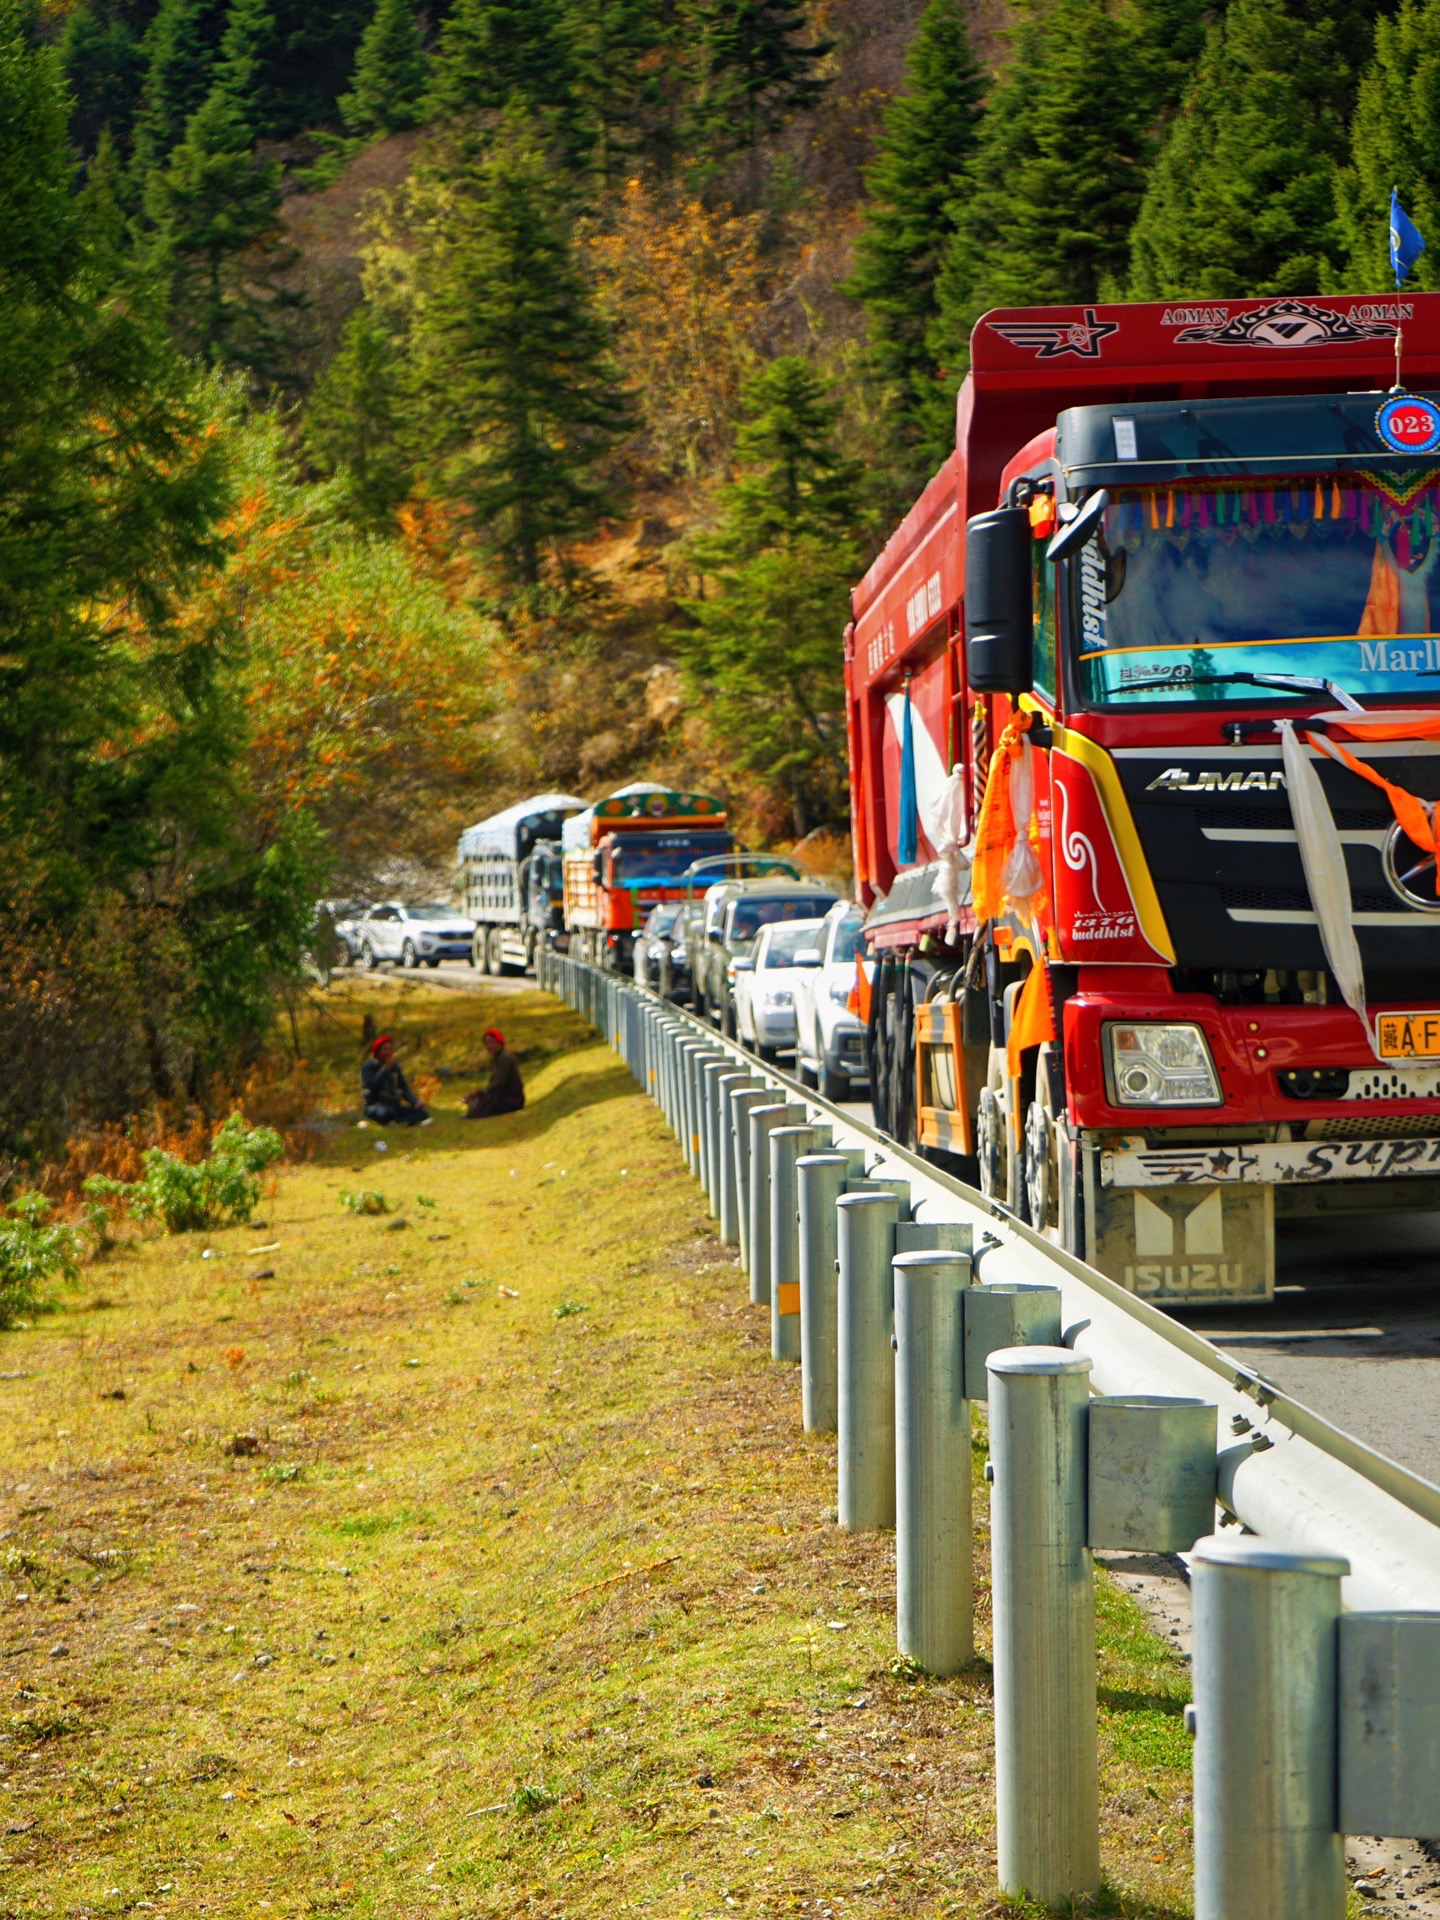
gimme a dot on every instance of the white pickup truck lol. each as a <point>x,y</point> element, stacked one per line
<point>829,1040</point>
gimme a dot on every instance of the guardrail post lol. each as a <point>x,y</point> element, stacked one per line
<point>716,1070</point>
<point>933,1534</point>
<point>763,1122</point>
<point>787,1144</point>
<point>1266,1626</point>
<point>703,1129</point>
<point>742,1104</point>
<point>1046,1765</point>
<point>727,1084</point>
<point>865,1363</point>
<point>821,1180</point>
<point>690,1055</point>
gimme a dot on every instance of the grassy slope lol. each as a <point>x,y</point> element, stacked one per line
<point>527,1605</point>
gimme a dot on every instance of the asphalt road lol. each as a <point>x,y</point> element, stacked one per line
<point>1353,1331</point>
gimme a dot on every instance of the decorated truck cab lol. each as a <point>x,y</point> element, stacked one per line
<point>624,856</point>
<point>1145,741</point>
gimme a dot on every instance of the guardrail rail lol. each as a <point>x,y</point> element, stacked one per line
<point>904,1296</point>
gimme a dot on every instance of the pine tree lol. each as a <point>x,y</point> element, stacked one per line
<point>1395,142</point>
<point>101,51</point>
<point>180,49</point>
<point>521,401</point>
<point>354,422</point>
<point>1241,198</point>
<point>930,128</point>
<point>1043,213</point>
<point>316,48</point>
<point>761,649</point>
<point>390,72</point>
<point>617,50</point>
<point>492,52</point>
<point>215,202</point>
<point>752,70</point>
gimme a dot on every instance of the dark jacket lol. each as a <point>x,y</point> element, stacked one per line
<point>505,1093</point>
<point>382,1085</point>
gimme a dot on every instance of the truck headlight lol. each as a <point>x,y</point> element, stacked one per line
<point>840,993</point>
<point>1155,1064</point>
<point>779,997</point>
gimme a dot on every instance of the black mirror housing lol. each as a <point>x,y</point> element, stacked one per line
<point>999,608</point>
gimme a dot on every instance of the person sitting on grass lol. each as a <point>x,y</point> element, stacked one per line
<point>506,1091</point>
<point>388,1097</point>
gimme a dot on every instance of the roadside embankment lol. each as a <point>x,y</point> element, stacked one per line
<point>467,1558</point>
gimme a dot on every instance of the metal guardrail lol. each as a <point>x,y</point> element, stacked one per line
<point>1111,1426</point>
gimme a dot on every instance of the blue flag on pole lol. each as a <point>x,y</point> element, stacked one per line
<point>1407,243</point>
<point>907,846</point>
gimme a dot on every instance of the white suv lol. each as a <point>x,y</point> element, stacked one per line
<point>829,1039</point>
<point>408,932</point>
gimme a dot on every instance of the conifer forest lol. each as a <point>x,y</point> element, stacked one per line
<point>406,405</point>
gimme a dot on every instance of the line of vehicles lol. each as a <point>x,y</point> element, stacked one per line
<point>1158,651</point>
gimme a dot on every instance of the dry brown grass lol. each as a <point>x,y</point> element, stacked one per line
<point>469,1560</point>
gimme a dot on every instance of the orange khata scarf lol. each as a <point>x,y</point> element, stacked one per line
<point>1006,876</point>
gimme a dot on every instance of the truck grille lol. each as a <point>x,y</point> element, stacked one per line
<point>1363,1084</point>
<point>1297,900</point>
<point>1375,1127</point>
<point>1280,820</point>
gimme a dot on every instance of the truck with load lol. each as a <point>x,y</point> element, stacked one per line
<point>624,856</point>
<point>1143,705</point>
<point>510,872</point>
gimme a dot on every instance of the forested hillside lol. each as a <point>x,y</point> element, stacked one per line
<point>403,407</point>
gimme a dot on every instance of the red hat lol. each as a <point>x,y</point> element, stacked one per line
<point>493,1033</point>
<point>380,1040</point>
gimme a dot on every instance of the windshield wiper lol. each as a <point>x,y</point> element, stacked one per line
<point>1281,682</point>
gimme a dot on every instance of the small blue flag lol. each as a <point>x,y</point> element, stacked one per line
<point>1407,243</point>
<point>907,848</point>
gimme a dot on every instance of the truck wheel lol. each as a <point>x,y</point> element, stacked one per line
<point>532,948</point>
<point>480,950</point>
<point>990,1144</point>
<point>1050,1186</point>
<point>497,951</point>
<point>833,1086</point>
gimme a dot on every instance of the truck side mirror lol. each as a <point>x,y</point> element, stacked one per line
<point>999,614</point>
<point>598,864</point>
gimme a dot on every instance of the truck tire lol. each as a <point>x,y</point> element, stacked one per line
<point>833,1086</point>
<point>496,946</point>
<point>532,947</point>
<point>480,950</point>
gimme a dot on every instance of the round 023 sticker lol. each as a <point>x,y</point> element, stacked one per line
<point>1409,425</point>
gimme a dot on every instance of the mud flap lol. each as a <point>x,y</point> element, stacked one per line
<point>1188,1242</point>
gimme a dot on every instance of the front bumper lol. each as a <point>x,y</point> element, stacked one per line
<point>775,1026</point>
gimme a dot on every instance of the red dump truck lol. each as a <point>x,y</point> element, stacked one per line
<point>1144,726</point>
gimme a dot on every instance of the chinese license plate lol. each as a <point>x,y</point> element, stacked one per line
<point>1408,1036</point>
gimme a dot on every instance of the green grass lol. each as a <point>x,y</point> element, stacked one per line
<point>551,1617</point>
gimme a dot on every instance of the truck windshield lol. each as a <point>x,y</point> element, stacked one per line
<point>847,940</point>
<point>783,943</point>
<point>660,859</point>
<point>1327,576</point>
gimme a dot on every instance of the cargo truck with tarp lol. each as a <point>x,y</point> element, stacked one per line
<point>510,871</point>
<point>1143,704</point>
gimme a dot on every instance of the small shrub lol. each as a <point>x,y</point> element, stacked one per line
<point>33,1252</point>
<point>222,1190</point>
<point>364,1200</point>
<point>284,1473</point>
<point>532,1799</point>
<point>567,1307</point>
